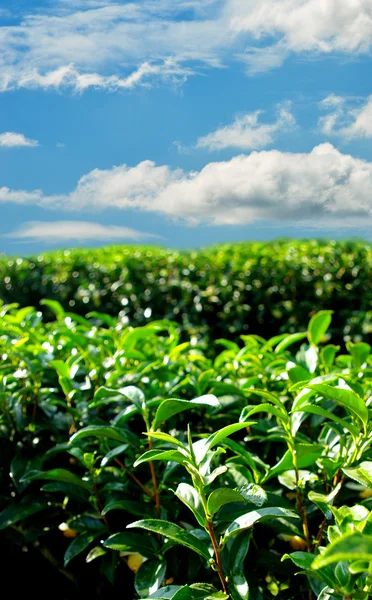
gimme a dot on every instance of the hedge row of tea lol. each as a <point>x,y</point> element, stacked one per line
<point>263,288</point>
<point>135,466</point>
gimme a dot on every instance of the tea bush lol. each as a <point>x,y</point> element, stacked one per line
<point>135,466</point>
<point>224,291</point>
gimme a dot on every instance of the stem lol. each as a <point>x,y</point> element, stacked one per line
<point>300,504</point>
<point>217,554</point>
<point>154,483</point>
<point>212,535</point>
<point>336,480</point>
<point>100,507</point>
<point>36,403</point>
<point>135,479</point>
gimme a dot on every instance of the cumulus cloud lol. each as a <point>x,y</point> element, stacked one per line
<point>9,139</point>
<point>323,26</point>
<point>101,43</point>
<point>323,187</point>
<point>344,119</point>
<point>76,231</point>
<point>247,132</point>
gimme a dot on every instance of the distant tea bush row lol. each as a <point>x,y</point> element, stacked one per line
<point>265,288</point>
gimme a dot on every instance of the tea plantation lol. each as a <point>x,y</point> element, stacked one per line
<point>187,425</point>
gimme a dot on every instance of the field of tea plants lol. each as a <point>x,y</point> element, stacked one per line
<point>137,465</point>
<point>249,288</point>
<point>187,426</point>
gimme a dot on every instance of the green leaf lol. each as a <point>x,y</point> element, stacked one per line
<point>149,577</point>
<point>289,340</point>
<point>352,547</point>
<point>220,497</point>
<point>57,475</point>
<point>328,354</point>
<point>112,454</point>
<point>248,411</point>
<point>298,373</point>
<point>318,326</point>
<point>191,498</point>
<point>165,437</point>
<point>303,560</point>
<point>174,533</point>
<point>166,455</point>
<point>240,584</point>
<point>173,406</point>
<point>201,447</point>
<point>362,474</point>
<point>95,553</point>
<point>323,501</point>
<point>105,432</point>
<point>249,519</point>
<point>267,396</point>
<point>359,352</point>
<point>314,409</point>
<point>110,321</point>
<point>17,512</point>
<point>344,397</point>
<point>77,546</point>
<point>128,541</point>
<point>133,508</point>
<point>135,395</point>
<point>61,367</point>
<point>359,566</point>
<point>307,454</point>
<point>55,307</point>
<point>253,493</point>
<point>196,591</point>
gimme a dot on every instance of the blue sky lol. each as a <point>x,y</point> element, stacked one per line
<point>183,123</point>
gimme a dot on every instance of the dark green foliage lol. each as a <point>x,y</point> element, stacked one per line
<point>261,288</point>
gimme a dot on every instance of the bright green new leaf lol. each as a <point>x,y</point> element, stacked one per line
<point>344,397</point>
<point>359,352</point>
<point>290,339</point>
<point>248,411</point>
<point>173,406</point>
<point>352,547</point>
<point>105,432</point>
<point>362,474</point>
<point>55,307</point>
<point>166,455</point>
<point>318,326</point>
<point>314,409</point>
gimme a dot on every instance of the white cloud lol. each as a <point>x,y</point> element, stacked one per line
<point>247,132</point>
<point>9,139</point>
<point>68,76</point>
<point>323,26</point>
<point>77,231</point>
<point>323,188</point>
<point>101,43</point>
<point>345,120</point>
